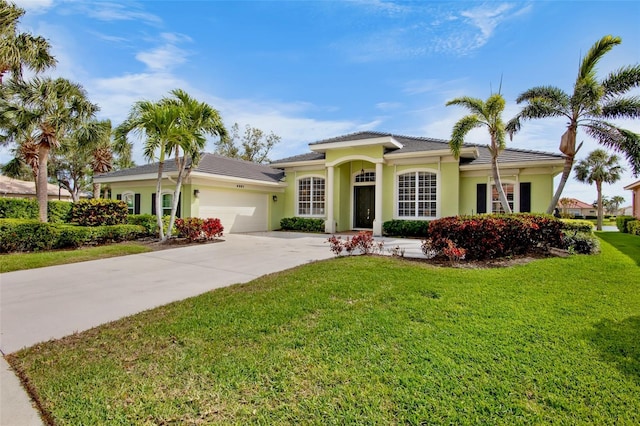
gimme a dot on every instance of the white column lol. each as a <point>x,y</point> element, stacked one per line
<point>330,223</point>
<point>377,219</point>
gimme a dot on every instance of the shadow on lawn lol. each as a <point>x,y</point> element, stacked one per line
<point>619,344</point>
<point>625,243</point>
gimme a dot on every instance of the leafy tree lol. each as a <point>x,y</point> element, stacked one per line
<point>611,205</point>
<point>489,115</point>
<point>254,145</point>
<point>170,126</point>
<point>590,105</point>
<point>43,111</point>
<point>597,168</point>
<point>19,50</point>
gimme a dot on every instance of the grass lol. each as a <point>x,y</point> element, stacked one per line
<point>20,261</point>
<point>367,340</point>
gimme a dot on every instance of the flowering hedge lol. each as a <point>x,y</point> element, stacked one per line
<point>196,229</point>
<point>494,236</point>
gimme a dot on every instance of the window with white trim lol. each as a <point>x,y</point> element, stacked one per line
<point>130,199</point>
<point>509,192</point>
<point>167,201</point>
<point>311,196</point>
<point>417,194</point>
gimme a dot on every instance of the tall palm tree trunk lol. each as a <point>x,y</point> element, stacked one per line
<point>159,201</point>
<point>42,187</point>
<point>600,207</point>
<point>566,171</point>
<point>498,183</point>
<point>96,190</point>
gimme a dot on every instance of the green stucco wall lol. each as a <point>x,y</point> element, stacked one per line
<point>146,188</point>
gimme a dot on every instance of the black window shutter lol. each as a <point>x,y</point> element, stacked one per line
<point>136,204</point>
<point>178,208</point>
<point>153,203</point>
<point>525,197</point>
<point>481,198</point>
<point>118,196</point>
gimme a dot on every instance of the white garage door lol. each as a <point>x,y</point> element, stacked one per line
<point>238,211</point>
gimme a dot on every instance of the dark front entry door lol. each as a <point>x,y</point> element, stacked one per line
<point>364,206</point>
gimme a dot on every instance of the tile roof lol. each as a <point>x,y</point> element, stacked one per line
<point>423,144</point>
<point>212,164</point>
<point>574,203</point>
<point>9,186</point>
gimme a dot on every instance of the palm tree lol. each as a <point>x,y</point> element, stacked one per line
<point>18,50</point>
<point>197,119</point>
<point>599,167</point>
<point>615,203</point>
<point>589,106</point>
<point>488,114</point>
<point>159,123</point>
<point>44,110</point>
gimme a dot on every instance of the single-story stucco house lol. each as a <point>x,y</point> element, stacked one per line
<point>356,181</point>
<point>635,198</point>
<point>15,188</point>
<point>575,207</point>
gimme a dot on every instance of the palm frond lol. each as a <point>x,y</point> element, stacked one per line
<point>475,105</point>
<point>622,80</point>
<point>622,107</point>
<point>594,54</point>
<point>620,140</point>
<point>460,130</point>
<point>548,94</point>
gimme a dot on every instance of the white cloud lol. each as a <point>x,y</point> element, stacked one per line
<point>34,6</point>
<point>166,56</point>
<point>108,11</point>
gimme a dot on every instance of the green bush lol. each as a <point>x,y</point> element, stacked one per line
<point>582,243</point>
<point>302,224</point>
<point>27,208</point>
<point>621,222</point>
<point>148,221</point>
<point>27,235</point>
<point>405,228</point>
<point>577,225</point>
<point>99,211</point>
<point>30,235</point>
<point>633,227</point>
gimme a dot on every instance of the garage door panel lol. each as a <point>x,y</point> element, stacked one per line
<point>238,211</point>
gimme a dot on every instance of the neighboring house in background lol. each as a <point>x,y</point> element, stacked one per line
<point>356,181</point>
<point>625,211</point>
<point>576,207</point>
<point>14,188</point>
<point>635,198</point>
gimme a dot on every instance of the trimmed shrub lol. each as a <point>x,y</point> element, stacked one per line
<point>27,235</point>
<point>147,221</point>
<point>405,228</point>
<point>302,224</point>
<point>621,222</point>
<point>30,235</point>
<point>582,243</point>
<point>27,208</point>
<point>493,236</point>
<point>633,227</point>
<point>99,211</point>
<point>196,229</point>
<point>577,225</point>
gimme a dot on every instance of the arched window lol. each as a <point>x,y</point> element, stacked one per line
<point>311,196</point>
<point>130,199</point>
<point>417,195</point>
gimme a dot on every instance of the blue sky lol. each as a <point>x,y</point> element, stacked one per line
<point>309,70</point>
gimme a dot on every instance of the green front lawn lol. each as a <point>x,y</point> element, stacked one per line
<point>19,261</point>
<point>368,340</point>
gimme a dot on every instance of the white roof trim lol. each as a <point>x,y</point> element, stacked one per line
<point>386,141</point>
<point>225,178</point>
<point>511,165</point>
<point>298,164</point>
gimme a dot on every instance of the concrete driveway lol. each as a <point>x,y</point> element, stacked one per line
<point>49,303</point>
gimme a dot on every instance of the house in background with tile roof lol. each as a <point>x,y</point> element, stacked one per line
<point>15,188</point>
<point>352,182</point>
<point>577,208</point>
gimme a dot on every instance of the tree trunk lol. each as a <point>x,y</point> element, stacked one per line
<point>599,190</point>
<point>42,188</point>
<point>498,183</point>
<point>96,190</point>
<point>566,171</point>
<point>176,194</point>
<point>159,201</point>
